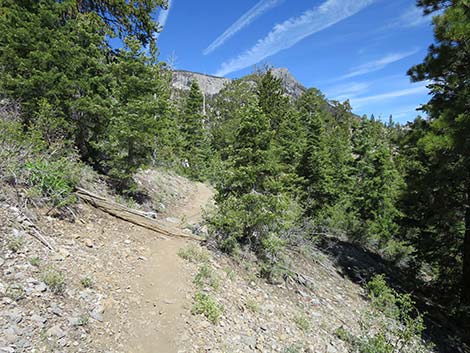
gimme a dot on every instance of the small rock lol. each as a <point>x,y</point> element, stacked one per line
<point>88,242</point>
<point>127,242</point>
<point>331,349</point>
<point>41,287</point>
<point>15,316</point>
<point>39,319</point>
<point>64,252</point>
<point>143,258</point>
<point>97,313</point>
<point>55,331</point>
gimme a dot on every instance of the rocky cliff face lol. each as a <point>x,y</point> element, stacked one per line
<point>212,85</point>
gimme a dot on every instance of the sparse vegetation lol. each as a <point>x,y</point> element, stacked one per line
<point>207,276</point>
<point>391,325</point>
<point>204,304</point>
<point>15,292</point>
<point>15,244</point>
<point>35,261</point>
<point>252,305</point>
<point>302,322</point>
<point>87,282</point>
<point>54,279</point>
<point>193,253</point>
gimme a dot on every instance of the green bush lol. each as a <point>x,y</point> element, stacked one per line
<point>54,279</point>
<point>55,180</point>
<point>391,325</point>
<point>206,305</point>
<point>193,253</point>
<point>206,276</point>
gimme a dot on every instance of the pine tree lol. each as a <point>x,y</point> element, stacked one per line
<point>140,104</point>
<point>447,142</point>
<point>377,188</point>
<point>194,133</point>
<point>272,98</point>
<point>251,207</point>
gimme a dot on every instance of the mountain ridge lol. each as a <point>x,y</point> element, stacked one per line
<point>211,85</point>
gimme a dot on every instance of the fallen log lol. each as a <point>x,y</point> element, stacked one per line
<point>136,217</point>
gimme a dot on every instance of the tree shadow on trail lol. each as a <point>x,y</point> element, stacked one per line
<point>360,265</point>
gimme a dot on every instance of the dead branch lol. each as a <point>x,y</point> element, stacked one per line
<point>136,217</point>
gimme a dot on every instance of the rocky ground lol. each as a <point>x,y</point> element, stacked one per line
<point>110,286</point>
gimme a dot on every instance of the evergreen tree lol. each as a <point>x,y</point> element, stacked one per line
<point>377,188</point>
<point>447,141</point>
<point>289,136</point>
<point>251,207</point>
<point>194,134</point>
<point>272,98</point>
<point>141,102</point>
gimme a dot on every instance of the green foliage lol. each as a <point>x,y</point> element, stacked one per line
<point>391,325</point>
<point>54,279</point>
<point>206,276</point>
<point>54,179</point>
<point>252,305</point>
<point>193,253</point>
<point>140,109</point>
<point>252,210</point>
<point>35,261</point>
<point>15,244</point>
<point>207,306</point>
<point>87,282</point>
<point>440,217</point>
<point>302,322</point>
<point>194,134</point>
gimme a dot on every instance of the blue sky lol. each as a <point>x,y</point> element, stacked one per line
<point>356,49</point>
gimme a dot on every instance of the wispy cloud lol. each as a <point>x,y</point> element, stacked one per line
<point>412,17</point>
<point>293,30</point>
<point>377,65</point>
<point>346,91</point>
<point>163,16</point>
<point>361,101</point>
<point>247,18</point>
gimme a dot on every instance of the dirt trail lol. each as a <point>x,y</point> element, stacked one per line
<point>161,288</point>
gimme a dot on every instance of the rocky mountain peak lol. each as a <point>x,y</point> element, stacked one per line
<point>212,85</point>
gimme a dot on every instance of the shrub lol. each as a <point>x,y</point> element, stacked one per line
<point>391,325</point>
<point>35,261</point>
<point>54,279</point>
<point>252,305</point>
<point>193,253</point>
<point>15,244</point>
<point>54,179</point>
<point>207,306</point>
<point>87,282</point>
<point>207,276</point>
<point>302,322</point>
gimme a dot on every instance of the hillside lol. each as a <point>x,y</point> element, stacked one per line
<point>110,286</point>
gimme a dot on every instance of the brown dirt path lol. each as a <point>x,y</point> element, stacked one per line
<point>160,289</point>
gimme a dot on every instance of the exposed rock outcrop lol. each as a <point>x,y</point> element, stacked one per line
<point>212,85</point>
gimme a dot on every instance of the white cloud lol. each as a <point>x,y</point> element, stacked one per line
<point>163,16</point>
<point>412,17</point>
<point>247,18</point>
<point>293,30</point>
<point>378,64</point>
<point>347,91</point>
<point>361,101</point>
